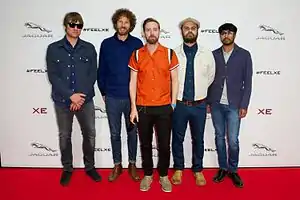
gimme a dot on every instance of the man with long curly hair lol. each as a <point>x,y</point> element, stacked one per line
<point>113,82</point>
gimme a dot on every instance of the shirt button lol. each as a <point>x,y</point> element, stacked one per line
<point>72,65</point>
<point>68,65</point>
<point>69,54</point>
<point>153,79</point>
<point>72,74</point>
<point>72,58</point>
<point>73,90</point>
<point>63,100</point>
<point>72,81</point>
<point>67,77</point>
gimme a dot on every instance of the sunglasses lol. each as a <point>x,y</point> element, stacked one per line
<point>79,26</point>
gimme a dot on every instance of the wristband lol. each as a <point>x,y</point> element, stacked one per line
<point>173,105</point>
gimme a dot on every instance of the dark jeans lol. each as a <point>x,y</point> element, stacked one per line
<point>86,119</point>
<point>226,120</point>
<point>159,117</point>
<point>114,109</point>
<point>196,116</point>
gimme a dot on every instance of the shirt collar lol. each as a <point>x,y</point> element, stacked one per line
<point>126,40</point>
<point>65,43</point>
<point>159,48</point>
<point>193,48</point>
<point>228,52</point>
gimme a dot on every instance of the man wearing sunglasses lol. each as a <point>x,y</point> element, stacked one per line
<point>229,97</point>
<point>113,82</point>
<point>72,72</point>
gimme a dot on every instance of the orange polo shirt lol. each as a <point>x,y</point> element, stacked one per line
<point>153,75</point>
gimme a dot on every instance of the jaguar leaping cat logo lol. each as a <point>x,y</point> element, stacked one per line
<point>164,31</point>
<point>261,146</point>
<point>100,109</point>
<point>269,28</point>
<point>41,146</point>
<point>35,26</point>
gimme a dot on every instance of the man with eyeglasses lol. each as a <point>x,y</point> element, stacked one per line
<point>229,98</point>
<point>72,72</point>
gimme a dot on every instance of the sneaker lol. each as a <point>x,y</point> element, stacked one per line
<point>146,183</point>
<point>166,185</point>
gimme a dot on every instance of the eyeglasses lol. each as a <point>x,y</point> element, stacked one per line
<point>227,33</point>
<point>79,26</point>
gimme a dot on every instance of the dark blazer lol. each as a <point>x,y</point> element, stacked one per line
<point>238,73</point>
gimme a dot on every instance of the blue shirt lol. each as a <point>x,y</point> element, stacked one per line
<point>189,85</point>
<point>71,70</point>
<point>72,76</point>
<point>113,72</point>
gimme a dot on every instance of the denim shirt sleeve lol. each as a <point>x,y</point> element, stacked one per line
<point>101,71</point>
<point>92,74</point>
<point>53,74</point>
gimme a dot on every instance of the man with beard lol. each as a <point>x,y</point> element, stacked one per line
<point>153,92</point>
<point>229,98</point>
<point>72,72</point>
<point>113,82</point>
<point>196,72</point>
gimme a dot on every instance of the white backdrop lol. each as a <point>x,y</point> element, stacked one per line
<point>269,135</point>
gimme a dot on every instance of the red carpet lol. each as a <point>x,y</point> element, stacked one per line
<point>43,184</point>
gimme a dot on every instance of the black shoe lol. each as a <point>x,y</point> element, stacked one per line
<point>236,179</point>
<point>94,175</point>
<point>65,178</point>
<point>219,177</point>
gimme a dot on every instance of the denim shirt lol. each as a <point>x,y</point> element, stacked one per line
<point>71,70</point>
<point>189,85</point>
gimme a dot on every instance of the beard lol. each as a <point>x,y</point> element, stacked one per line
<point>152,39</point>
<point>123,31</point>
<point>190,38</point>
<point>227,41</point>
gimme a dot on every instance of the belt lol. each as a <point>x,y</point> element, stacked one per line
<point>191,103</point>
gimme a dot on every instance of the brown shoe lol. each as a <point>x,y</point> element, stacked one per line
<point>200,180</point>
<point>117,170</point>
<point>177,177</point>
<point>132,172</point>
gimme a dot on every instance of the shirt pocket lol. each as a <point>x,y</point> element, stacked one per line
<point>84,60</point>
<point>63,66</point>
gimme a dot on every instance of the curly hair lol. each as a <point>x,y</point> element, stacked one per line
<point>124,12</point>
